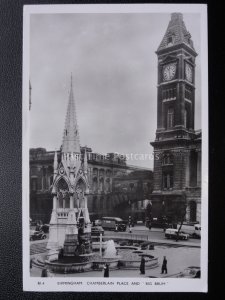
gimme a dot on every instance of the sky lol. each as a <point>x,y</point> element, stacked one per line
<point>114,66</point>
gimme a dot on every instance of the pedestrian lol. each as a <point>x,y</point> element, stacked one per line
<point>31,263</point>
<point>164,265</point>
<point>142,265</point>
<point>177,236</point>
<point>44,273</point>
<point>116,227</point>
<point>61,252</point>
<point>130,229</point>
<point>106,270</point>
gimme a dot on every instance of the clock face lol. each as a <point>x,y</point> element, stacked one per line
<point>188,72</point>
<point>169,71</point>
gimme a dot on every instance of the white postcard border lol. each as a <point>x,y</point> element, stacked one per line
<point>91,284</point>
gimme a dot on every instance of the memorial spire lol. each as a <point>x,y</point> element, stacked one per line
<point>71,140</point>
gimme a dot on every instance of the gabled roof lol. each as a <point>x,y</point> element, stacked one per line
<point>176,33</point>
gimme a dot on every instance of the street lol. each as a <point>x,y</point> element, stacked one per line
<point>155,235</point>
<point>180,254</point>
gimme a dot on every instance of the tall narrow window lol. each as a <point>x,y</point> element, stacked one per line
<point>170,117</point>
<point>185,118</point>
<point>167,180</point>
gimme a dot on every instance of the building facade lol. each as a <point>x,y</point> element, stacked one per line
<point>115,188</point>
<point>177,146</point>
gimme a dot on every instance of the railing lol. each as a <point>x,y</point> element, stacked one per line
<point>130,236</point>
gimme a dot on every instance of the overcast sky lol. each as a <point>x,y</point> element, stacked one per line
<point>114,65</point>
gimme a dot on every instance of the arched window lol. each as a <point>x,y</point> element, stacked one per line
<point>95,184</point>
<point>108,184</point>
<point>170,117</point>
<point>101,184</point>
<point>63,194</point>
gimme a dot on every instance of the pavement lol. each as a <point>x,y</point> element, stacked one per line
<point>177,260</point>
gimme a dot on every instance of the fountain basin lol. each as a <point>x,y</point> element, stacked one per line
<point>122,257</point>
<point>135,264</point>
<point>57,267</point>
<point>99,264</point>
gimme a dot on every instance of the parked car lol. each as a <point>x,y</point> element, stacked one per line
<point>45,228</point>
<point>193,229</point>
<point>112,223</point>
<point>190,272</point>
<point>97,222</point>
<point>97,230</point>
<point>37,235</point>
<point>171,233</point>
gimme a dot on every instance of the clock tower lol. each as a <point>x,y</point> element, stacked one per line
<point>177,146</point>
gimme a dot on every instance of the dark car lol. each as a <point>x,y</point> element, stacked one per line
<point>37,235</point>
<point>121,227</point>
<point>113,223</point>
<point>45,228</point>
<point>97,230</point>
<point>191,272</point>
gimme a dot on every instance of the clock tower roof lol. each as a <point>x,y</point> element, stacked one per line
<point>71,140</point>
<point>176,34</point>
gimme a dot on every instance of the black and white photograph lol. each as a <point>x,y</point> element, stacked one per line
<point>115,169</point>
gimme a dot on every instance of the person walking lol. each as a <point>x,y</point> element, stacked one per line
<point>142,266</point>
<point>44,273</point>
<point>106,270</point>
<point>31,263</point>
<point>130,229</point>
<point>164,265</point>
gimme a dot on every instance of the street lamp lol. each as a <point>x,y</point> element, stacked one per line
<point>100,249</point>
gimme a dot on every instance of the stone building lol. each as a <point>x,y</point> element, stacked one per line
<point>104,173</point>
<point>113,184</point>
<point>177,146</point>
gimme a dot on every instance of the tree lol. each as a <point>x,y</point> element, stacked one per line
<point>148,213</point>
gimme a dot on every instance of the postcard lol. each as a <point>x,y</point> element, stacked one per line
<point>115,148</point>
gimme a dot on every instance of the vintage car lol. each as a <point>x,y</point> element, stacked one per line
<point>171,233</point>
<point>45,228</point>
<point>37,235</point>
<point>112,223</point>
<point>190,272</point>
<point>97,222</point>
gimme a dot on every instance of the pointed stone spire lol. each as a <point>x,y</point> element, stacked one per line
<point>176,33</point>
<point>85,161</point>
<point>71,140</point>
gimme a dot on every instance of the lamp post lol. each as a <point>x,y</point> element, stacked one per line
<point>100,252</point>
